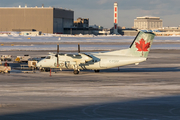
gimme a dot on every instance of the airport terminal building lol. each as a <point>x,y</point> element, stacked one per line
<point>44,19</point>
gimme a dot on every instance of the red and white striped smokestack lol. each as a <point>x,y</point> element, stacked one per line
<point>116,18</point>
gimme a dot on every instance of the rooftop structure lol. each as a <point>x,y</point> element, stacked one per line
<point>81,22</point>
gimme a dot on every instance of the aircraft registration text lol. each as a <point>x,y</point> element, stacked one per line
<point>113,61</point>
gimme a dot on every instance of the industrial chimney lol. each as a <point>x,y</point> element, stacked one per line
<point>116,18</point>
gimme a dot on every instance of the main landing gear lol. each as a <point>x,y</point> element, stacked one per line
<point>76,72</point>
<point>96,71</point>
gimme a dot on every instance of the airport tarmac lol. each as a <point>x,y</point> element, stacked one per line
<point>149,91</point>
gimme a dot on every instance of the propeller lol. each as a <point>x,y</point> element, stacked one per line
<point>57,55</point>
<point>78,48</point>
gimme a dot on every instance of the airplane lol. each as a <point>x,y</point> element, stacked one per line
<point>136,53</point>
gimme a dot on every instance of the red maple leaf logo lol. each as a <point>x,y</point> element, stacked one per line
<point>142,46</point>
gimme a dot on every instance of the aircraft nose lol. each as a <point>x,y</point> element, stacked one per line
<point>38,64</point>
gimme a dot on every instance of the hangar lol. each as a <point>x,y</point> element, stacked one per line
<point>44,19</point>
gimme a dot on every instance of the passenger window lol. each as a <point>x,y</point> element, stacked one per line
<point>48,57</point>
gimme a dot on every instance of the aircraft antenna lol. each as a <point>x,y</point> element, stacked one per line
<point>78,48</point>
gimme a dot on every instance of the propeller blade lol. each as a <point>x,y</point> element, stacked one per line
<point>78,48</point>
<point>57,48</point>
<point>57,55</point>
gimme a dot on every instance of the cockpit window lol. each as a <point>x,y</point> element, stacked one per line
<point>48,57</point>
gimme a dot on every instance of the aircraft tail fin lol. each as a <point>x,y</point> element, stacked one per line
<point>142,43</point>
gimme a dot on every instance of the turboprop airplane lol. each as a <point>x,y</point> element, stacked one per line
<point>136,53</point>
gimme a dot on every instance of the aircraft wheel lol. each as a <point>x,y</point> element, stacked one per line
<point>47,69</point>
<point>96,71</point>
<point>76,72</point>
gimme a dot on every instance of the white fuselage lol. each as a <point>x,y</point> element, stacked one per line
<point>111,61</point>
<point>98,61</point>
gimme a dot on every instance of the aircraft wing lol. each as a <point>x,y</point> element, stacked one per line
<point>74,56</point>
<point>77,57</point>
<point>80,57</point>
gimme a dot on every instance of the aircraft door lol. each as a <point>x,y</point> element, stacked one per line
<point>103,63</point>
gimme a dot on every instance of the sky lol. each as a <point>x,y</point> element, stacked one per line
<point>100,12</point>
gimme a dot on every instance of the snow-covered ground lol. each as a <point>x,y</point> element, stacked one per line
<point>50,38</point>
<point>83,47</point>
